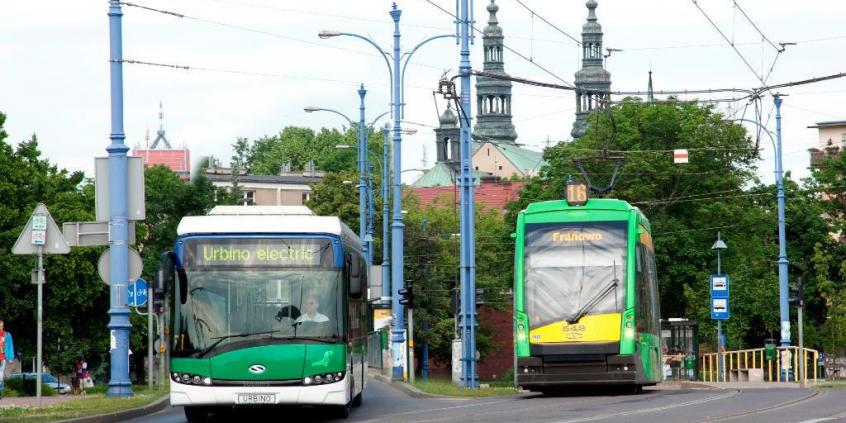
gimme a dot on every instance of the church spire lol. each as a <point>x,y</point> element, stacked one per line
<point>593,82</point>
<point>650,97</point>
<point>493,96</point>
<point>160,135</point>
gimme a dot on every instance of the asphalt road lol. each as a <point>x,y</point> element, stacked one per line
<point>383,403</point>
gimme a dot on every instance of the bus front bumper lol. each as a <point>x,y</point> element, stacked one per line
<point>336,393</point>
<point>539,372</point>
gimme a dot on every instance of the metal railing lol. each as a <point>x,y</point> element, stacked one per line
<point>743,360</point>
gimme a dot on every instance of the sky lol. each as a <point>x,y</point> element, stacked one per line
<point>256,63</point>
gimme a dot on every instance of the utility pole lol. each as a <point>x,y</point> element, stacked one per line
<point>362,186</point>
<point>720,245</point>
<point>119,384</point>
<point>468,206</point>
<point>784,311</point>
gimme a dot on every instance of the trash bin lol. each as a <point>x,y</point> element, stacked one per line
<point>770,349</point>
<point>690,366</point>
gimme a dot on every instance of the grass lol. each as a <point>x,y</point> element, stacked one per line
<point>90,405</point>
<point>446,388</point>
<point>831,384</point>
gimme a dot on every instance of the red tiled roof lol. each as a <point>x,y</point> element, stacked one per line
<point>177,160</point>
<point>491,194</point>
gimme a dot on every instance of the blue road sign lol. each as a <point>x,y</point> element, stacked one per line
<point>137,295</point>
<point>719,286</point>
<point>719,309</point>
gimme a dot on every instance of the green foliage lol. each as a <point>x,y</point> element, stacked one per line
<point>298,145</point>
<point>21,387</point>
<point>688,203</point>
<point>75,300</point>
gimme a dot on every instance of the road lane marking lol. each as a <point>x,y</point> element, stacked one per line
<point>653,409</point>
<point>764,409</point>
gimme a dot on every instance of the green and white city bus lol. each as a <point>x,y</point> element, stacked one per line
<point>585,295</point>
<point>267,307</point>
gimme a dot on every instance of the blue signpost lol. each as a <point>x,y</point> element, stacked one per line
<point>137,293</point>
<point>719,297</point>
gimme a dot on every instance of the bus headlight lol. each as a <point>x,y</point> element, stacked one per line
<point>190,379</point>
<point>323,378</point>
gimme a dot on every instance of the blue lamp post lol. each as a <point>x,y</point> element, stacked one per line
<point>784,312</point>
<point>397,74</point>
<point>119,383</point>
<point>362,155</point>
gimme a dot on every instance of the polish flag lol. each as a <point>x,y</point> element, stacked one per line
<point>679,156</point>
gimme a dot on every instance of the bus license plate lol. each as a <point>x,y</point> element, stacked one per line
<point>256,398</point>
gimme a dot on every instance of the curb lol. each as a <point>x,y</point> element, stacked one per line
<point>408,389</point>
<point>118,416</point>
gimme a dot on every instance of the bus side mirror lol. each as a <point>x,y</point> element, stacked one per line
<point>356,277</point>
<point>168,275</point>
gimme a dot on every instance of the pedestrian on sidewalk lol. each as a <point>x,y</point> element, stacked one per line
<point>7,354</point>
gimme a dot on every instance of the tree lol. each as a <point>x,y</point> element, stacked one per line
<point>296,145</point>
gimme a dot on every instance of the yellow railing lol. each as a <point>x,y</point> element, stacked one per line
<point>755,359</point>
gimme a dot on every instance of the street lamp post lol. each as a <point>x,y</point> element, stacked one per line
<point>784,312</point>
<point>362,151</point>
<point>397,74</point>
<point>119,384</point>
<point>719,245</point>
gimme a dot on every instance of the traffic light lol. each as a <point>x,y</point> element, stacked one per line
<point>407,295</point>
<point>799,293</point>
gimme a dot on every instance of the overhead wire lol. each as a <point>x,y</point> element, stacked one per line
<point>258,31</point>
<point>731,43</point>
<point>520,55</point>
<point>546,21</point>
<point>756,26</point>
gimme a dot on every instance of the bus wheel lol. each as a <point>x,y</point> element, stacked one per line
<point>342,411</point>
<point>196,414</point>
<point>356,402</point>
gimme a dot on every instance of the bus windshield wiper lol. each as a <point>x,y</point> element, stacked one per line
<point>322,339</point>
<point>223,338</point>
<point>593,302</point>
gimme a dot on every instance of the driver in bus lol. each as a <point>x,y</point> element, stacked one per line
<point>310,313</point>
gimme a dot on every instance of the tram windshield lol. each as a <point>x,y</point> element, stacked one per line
<point>574,269</point>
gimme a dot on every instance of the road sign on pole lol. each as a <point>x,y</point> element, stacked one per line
<point>135,265</point>
<point>134,188</point>
<point>86,234</point>
<point>720,297</point>
<point>41,230</point>
<point>40,236</point>
<point>137,293</point>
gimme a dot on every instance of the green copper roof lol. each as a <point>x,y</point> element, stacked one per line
<point>441,175</point>
<point>528,161</point>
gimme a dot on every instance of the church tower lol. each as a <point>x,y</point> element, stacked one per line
<point>493,96</point>
<point>593,82</point>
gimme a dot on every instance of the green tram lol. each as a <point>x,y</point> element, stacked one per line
<point>586,297</point>
<point>266,308</point>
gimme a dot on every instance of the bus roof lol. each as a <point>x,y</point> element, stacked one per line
<point>261,210</point>
<point>265,224</point>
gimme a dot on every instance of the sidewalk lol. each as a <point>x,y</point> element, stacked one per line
<point>7,402</point>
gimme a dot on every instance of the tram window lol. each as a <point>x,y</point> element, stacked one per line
<point>642,312</point>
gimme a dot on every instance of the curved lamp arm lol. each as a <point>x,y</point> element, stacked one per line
<point>407,57</point>
<point>321,109</point>
<point>385,54</point>
<point>761,127</point>
<point>377,118</point>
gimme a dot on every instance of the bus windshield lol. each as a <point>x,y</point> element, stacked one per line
<point>229,305</point>
<point>574,269</point>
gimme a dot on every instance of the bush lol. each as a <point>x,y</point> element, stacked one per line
<point>26,387</point>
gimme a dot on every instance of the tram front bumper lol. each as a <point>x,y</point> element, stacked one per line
<point>575,370</point>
